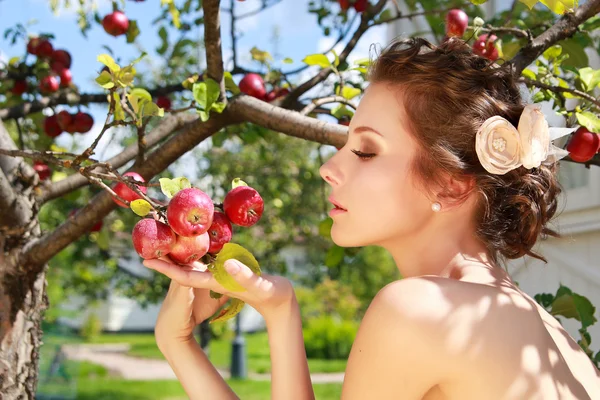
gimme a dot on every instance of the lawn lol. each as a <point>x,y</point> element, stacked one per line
<point>257,350</point>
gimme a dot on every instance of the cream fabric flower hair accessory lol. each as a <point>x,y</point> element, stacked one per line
<point>501,147</point>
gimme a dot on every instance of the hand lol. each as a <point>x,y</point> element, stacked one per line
<point>184,308</point>
<point>268,294</point>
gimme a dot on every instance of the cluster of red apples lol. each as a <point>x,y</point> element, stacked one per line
<point>59,74</point>
<point>456,25</point>
<point>359,5</point>
<point>194,226</point>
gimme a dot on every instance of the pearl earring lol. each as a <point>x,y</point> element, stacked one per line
<point>436,206</point>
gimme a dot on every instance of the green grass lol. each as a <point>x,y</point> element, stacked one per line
<point>110,389</point>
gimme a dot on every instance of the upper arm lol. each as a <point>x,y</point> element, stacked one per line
<point>398,350</point>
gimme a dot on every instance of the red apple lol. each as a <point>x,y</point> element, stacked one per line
<point>164,102</point>
<point>32,45</point>
<point>44,49</point>
<point>126,193</point>
<point>64,119</point>
<point>19,87</point>
<point>243,206</point>
<point>42,169</point>
<point>115,23</point>
<point>49,84</point>
<point>456,22</point>
<point>220,232</point>
<point>276,93</point>
<point>484,46</point>
<point>51,126</point>
<point>83,122</point>
<point>190,212</point>
<point>152,239</point>
<point>344,4</point>
<point>361,5</point>
<point>65,77</point>
<point>583,145</point>
<point>188,249</point>
<point>60,59</point>
<point>253,85</point>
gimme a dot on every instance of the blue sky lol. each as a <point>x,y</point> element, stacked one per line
<point>299,36</point>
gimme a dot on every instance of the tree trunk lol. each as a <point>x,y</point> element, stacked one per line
<point>23,301</point>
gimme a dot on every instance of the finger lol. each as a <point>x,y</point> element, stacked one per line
<point>200,306</point>
<point>185,276</point>
<point>243,275</point>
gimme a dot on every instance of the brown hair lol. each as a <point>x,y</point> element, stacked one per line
<point>448,93</point>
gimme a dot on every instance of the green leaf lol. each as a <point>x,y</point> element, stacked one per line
<point>574,306</point>
<point>151,109</point>
<point>529,3</point>
<point>260,55</point>
<point>552,52</point>
<point>363,62</point>
<point>288,60</point>
<point>229,251</point>
<point>170,187</point>
<point>133,31</point>
<point>206,93</point>
<point>126,75</point>
<point>228,312</point>
<point>478,2</point>
<point>336,60</point>
<point>565,84</point>
<point>578,58</point>
<point>589,120</point>
<point>119,114</point>
<point>189,82</point>
<point>141,207</point>
<point>105,80</point>
<point>109,62</point>
<point>384,16</point>
<point>349,92</point>
<point>230,83</point>
<point>325,227</point>
<point>590,77</point>
<point>317,59</point>
<point>164,42</point>
<point>237,182</point>
<point>182,182</point>
<point>204,116</point>
<point>138,98</point>
<point>215,295</point>
<point>527,73</point>
<point>340,111</point>
<point>334,256</point>
<point>218,107</point>
<point>559,6</point>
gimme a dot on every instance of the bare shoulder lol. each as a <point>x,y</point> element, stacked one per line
<point>398,351</point>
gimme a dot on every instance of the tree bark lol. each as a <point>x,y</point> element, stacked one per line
<point>23,301</point>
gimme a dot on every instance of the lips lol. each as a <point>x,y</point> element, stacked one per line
<point>336,204</point>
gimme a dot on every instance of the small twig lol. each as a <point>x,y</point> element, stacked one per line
<point>325,100</point>
<point>141,133</point>
<point>21,143</point>
<point>559,89</point>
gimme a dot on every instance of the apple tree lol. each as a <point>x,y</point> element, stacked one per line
<point>231,107</point>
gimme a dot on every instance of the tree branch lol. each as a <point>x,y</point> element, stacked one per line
<point>564,28</point>
<point>324,73</point>
<point>71,98</point>
<point>40,251</point>
<point>162,130</point>
<point>288,122</point>
<point>559,89</point>
<point>212,42</point>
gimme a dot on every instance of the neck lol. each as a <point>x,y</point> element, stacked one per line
<point>446,247</point>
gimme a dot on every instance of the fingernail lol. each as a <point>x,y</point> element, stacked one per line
<point>232,267</point>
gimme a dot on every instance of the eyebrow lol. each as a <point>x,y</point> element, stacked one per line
<point>363,128</point>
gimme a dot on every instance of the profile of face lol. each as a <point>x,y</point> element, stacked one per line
<point>371,176</point>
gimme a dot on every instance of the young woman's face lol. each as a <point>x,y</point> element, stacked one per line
<point>383,202</point>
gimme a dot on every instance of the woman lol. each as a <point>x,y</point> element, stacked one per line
<point>446,169</point>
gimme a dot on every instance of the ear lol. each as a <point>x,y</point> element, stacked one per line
<point>456,191</point>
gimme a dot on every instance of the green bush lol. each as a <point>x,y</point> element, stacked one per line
<point>91,328</point>
<point>329,338</point>
<point>329,297</point>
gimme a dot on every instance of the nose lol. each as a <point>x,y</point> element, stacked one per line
<point>329,172</point>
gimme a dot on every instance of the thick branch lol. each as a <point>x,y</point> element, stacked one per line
<point>212,41</point>
<point>42,250</point>
<point>288,122</point>
<point>70,98</point>
<point>324,73</point>
<point>162,130</point>
<point>564,28</point>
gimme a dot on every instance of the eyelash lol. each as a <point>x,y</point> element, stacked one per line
<point>363,156</point>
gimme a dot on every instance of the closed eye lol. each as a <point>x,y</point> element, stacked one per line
<point>363,156</point>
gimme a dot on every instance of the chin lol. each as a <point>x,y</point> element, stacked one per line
<point>345,238</point>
